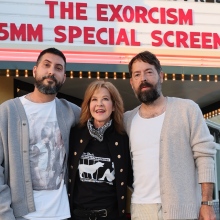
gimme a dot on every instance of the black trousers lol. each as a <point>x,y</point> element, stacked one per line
<point>112,216</point>
<point>99,218</point>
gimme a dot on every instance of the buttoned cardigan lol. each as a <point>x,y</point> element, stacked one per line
<point>118,146</point>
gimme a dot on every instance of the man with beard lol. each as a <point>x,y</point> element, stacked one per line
<point>171,148</point>
<point>28,149</point>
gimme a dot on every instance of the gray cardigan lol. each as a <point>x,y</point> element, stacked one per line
<point>16,193</point>
<point>186,157</point>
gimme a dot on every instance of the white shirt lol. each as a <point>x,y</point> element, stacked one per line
<point>145,144</point>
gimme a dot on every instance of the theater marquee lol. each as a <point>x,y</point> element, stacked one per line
<point>168,28</point>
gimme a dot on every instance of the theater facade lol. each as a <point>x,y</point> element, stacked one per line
<point>99,39</point>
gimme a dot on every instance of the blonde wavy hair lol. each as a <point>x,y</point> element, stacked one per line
<point>117,114</point>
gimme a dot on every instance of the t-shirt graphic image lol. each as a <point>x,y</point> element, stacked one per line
<point>47,157</point>
<point>96,169</point>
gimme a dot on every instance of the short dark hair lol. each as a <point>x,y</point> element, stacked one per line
<point>147,57</point>
<point>53,51</point>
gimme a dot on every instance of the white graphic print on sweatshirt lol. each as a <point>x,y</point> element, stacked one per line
<point>96,169</point>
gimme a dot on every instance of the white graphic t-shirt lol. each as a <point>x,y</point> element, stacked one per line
<point>47,155</point>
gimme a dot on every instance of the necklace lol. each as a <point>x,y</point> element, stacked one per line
<point>154,112</point>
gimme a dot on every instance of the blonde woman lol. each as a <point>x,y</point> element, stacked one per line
<point>99,160</point>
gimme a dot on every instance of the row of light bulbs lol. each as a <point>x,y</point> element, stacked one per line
<point>16,73</point>
<point>192,77</point>
<point>212,114</point>
<point>97,75</point>
<point>106,76</point>
<point>72,74</point>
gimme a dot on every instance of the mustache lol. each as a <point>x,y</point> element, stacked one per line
<point>49,77</point>
<point>145,84</point>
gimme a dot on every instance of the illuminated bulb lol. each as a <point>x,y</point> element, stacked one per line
<point>174,77</point>
<point>213,113</point>
<point>71,74</point>
<point>165,76</point>
<point>182,77</point>
<point>80,74</point>
<point>97,76</point>
<point>89,75</point>
<point>115,77</point>
<point>216,78</point>
<point>16,73</point>
<point>191,77</point>
<point>123,77</point>
<point>106,75</point>
<point>200,78</point>
<point>207,78</point>
<point>26,73</point>
<point>7,73</point>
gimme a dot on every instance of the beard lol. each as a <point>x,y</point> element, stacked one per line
<point>48,89</point>
<point>149,96</point>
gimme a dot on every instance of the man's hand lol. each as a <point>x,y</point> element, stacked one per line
<point>207,213</point>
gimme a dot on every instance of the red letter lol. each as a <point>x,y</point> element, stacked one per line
<point>171,14</point>
<point>140,14</point>
<point>166,37</point>
<point>101,12</point>
<point>98,35</point>
<point>157,38</point>
<point>111,36</point>
<point>51,7</point>
<point>150,15</point>
<point>194,38</point>
<point>88,34</point>
<point>122,37</point>
<point>74,32</point>
<point>163,16</point>
<point>3,32</point>
<point>64,10</point>
<point>115,11</point>
<point>206,40</point>
<point>57,31</point>
<point>184,18</point>
<point>128,10</point>
<point>38,33</point>
<point>181,39</point>
<point>216,41</point>
<point>133,42</point>
<point>80,11</point>
<point>18,32</point>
